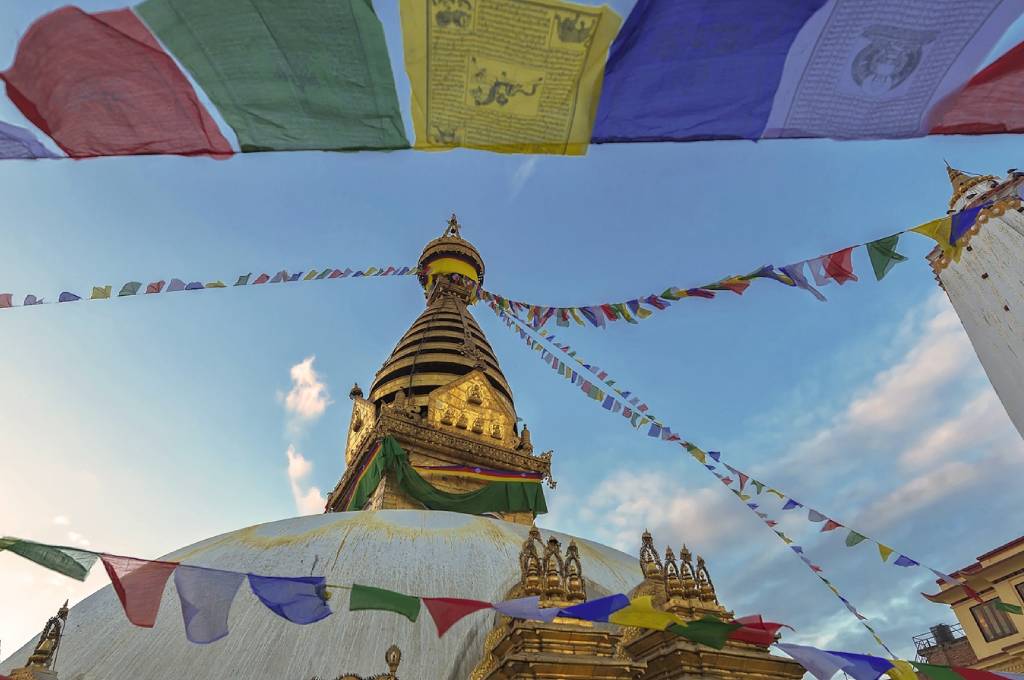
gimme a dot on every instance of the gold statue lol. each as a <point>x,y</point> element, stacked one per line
<point>45,652</point>
<point>392,658</point>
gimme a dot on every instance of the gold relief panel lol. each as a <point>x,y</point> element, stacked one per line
<point>359,428</point>
<point>468,405</point>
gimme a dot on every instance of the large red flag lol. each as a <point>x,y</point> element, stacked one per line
<point>447,611</point>
<point>756,630</point>
<point>101,85</point>
<point>991,102</point>
<point>139,585</point>
<point>839,266</point>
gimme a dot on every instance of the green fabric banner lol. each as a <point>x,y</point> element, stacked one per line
<point>1011,608</point>
<point>883,255</point>
<point>933,672</point>
<point>67,561</point>
<point>706,631</point>
<point>366,597</point>
<point>302,74</point>
<point>492,497</point>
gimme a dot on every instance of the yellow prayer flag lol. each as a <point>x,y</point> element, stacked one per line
<point>699,455</point>
<point>371,271</point>
<point>216,284</point>
<point>777,493</point>
<point>642,313</point>
<point>100,293</point>
<point>642,614</point>
<point>884,551</point>
<point>901,670</point>
<point>575,316</point>
<point>503,75</point>
<point>939,231</point>
<point>308,277</point>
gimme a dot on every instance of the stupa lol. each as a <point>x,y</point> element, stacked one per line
<point>441,401</point>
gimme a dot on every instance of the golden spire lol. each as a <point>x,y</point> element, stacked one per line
<point>963,182</point>
<point>445,342</point>
<point>45,652</point>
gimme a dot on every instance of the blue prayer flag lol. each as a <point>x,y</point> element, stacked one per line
<point>962,221</point>
<point>68,297</point>
<point>298,599</point>
<point>597,610</point>
<point>701,69</point>
<point>526,608</point>
<point>862,666</point>
<point>206,596</point>
<point>904,561</point>
<point>791,504</point>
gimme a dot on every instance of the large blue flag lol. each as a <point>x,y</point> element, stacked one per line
<point>299,599</point>
<point>697,69</point>
<point>753,69</point>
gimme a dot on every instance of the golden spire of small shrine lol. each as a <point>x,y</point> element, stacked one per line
<point>963,182</point>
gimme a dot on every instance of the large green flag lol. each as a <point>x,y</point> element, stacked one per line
<point>67,561</point>
<point>492,497</point>
<point>706,631</point>
<point>883,255</point>
<point>367,597</point>
<point>933,672</point>
<point>302,74</point>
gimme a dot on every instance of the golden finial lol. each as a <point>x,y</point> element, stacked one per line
<point>46,648</point>
<point>706,589</point>
<point>650,562</point>
<point>454,228</point>
<point>554,567</point>
<point>393,657</point>
<point>575,587</point>
<point>673,584</point>
<point>356,392</point>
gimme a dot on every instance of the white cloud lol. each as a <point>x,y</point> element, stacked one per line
<point>78,539</point>
<point>308,398</point>
<point>309,501</point>
<point>522,175</point>
<point>61,520</point>
<point>625,503</point>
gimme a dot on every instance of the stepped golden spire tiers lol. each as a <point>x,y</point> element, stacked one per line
<point>40,663</point>
<point>441,392</point>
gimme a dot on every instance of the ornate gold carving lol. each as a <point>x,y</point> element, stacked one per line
<point>554,569</point>
<point>478,425</point>
<point>474,396</point>
<point>476,406</point>
<point>462,422</point>
<point>49,641</point>
<point>650,562</point>
<point>525,443</point>
<point>575,587</point>
<point>705,588</point>
<point>448,418</point>
<point>363,417</point>
<point>496,430</point>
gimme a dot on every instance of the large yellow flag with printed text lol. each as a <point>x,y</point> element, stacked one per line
<point>505,75</point>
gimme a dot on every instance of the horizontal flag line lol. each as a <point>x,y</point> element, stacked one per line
<point>135,288</point>
<point>950,232</point>
<point>140,585</point>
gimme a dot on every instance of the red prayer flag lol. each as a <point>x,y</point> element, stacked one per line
<point>839,266</point>
<point>609,312</point>
<point>975,674</point>
<point>155,287</point>
<point>756,630</point>
<point>447,611</point>
<point>991,102</point>
<point>100,85</point>
<point>139,585</point>
<point>830,525</point>
<point>262,278</point>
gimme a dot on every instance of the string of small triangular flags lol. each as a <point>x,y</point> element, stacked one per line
<point>132,288</point>
<point>824,664</point>
<point>517,325</point>
<point>800,553</point>
<point>951,233</point>
<point>207,594</point>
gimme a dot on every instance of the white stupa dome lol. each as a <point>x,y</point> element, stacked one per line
<point>416,552</point>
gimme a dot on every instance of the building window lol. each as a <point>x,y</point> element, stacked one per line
<point>1020,590</point>
<point>994,624</point>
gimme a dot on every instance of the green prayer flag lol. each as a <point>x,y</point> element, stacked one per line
<point>302,74</point>
<point>853,538</point>
<point>68,561</point>
<point>130,288</point>
<point>366,597</point>
<point>1007,607</point>
<point>758,485</point>
<point>706,631</point>
<point>883,255</point>
<point>933,672</point>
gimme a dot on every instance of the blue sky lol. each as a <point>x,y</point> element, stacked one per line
<point>144,424</point>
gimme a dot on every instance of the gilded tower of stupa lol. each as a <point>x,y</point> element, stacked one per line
<point>441,392</point>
